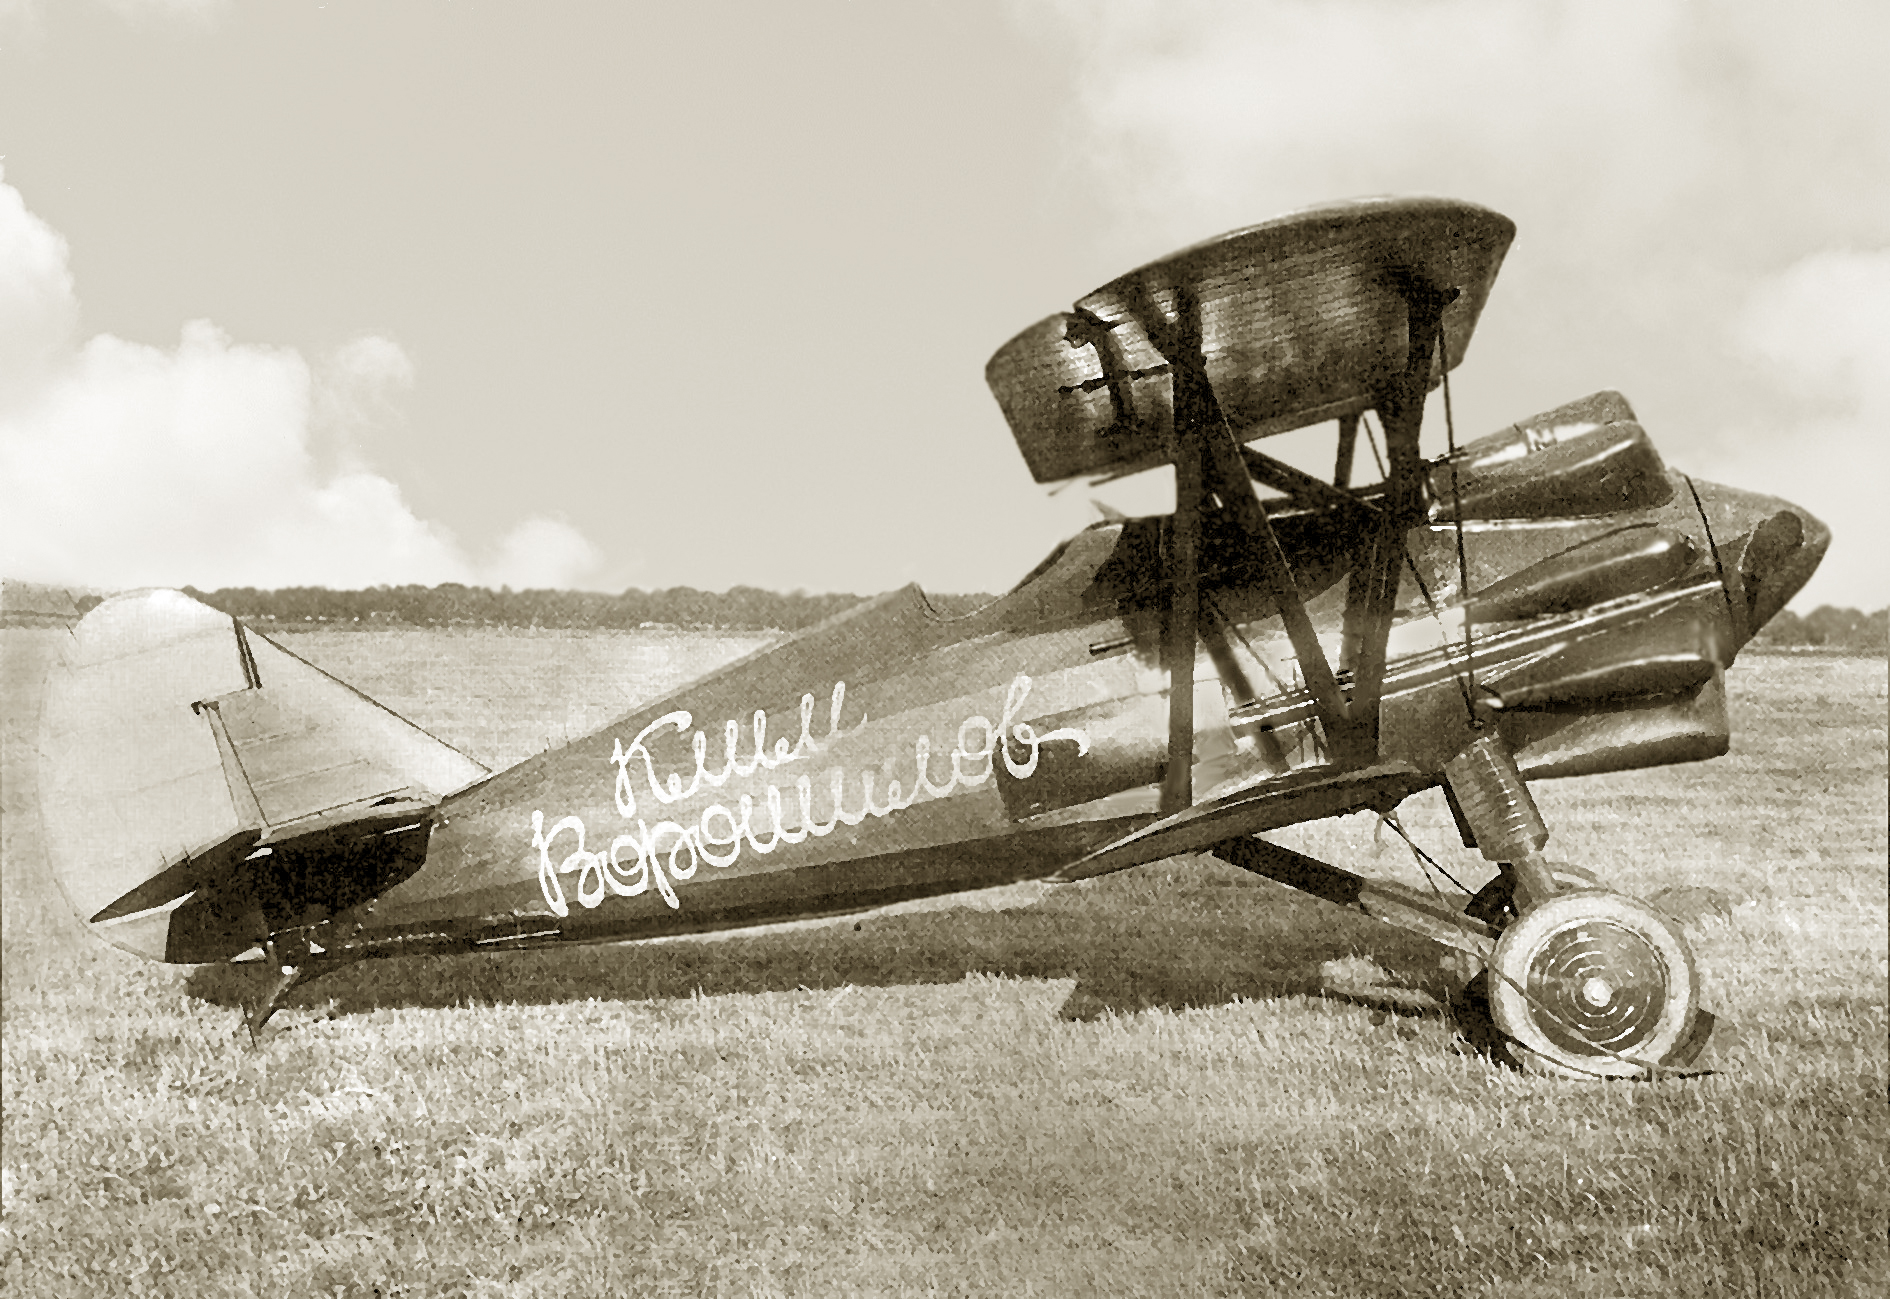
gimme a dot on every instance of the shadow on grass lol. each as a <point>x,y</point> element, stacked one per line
<point>1146,938</point>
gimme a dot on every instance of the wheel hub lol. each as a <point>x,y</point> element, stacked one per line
<point>1597,987</point>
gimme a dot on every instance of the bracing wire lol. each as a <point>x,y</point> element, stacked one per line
<point>1466,681</point>
<point>1220,614</point>
<point>1456,511</point>
<point>1426,862</point>
<point>1371,440</point>
<point>1463,684</point>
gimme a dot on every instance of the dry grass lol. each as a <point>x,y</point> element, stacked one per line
<point>1178,1080</point>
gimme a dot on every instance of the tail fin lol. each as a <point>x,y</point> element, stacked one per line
<point>177,746</point>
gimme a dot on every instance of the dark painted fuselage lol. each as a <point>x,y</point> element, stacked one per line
<point>891,754</point>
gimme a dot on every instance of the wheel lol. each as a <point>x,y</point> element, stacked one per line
<point>1594,984</point>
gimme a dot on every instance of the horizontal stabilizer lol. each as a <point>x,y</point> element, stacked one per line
<point>174,741</point>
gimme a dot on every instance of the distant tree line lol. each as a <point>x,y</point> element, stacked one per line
<point>1831,628</point>
<point>739,608</point>
<point>743,608</point>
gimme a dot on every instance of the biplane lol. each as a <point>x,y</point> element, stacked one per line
<point>1544,602</point>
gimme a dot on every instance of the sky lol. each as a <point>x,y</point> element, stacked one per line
<point>612,294</point>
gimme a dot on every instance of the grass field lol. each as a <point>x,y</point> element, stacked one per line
<point>1177,1080</point>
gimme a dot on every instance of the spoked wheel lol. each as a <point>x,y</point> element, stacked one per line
<point>1594,984</point>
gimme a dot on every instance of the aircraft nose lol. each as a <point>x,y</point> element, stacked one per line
<point>1767,550</point>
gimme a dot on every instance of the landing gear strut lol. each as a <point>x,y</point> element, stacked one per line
<point>1586,982</point>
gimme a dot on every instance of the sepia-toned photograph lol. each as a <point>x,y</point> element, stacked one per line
<point>1233,647</point>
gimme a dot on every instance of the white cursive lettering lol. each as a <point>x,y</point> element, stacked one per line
<point>671,852</point>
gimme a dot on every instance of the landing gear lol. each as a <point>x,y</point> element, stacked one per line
<point>1583,982</point>
<point>1593,983</point>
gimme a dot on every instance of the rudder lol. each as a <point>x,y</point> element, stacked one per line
<point>178,748</point>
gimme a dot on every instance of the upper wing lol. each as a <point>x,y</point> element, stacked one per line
<point>1303,319</point>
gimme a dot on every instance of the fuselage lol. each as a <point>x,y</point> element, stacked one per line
<point>891,754</point>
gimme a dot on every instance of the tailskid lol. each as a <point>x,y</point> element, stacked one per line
<point>288,973</point>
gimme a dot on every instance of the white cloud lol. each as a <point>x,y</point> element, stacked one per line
<point>23,22</point>
<point>541,553</point>
<point>1821,328</point>
<point>38,312</point>
<point>1249,109</point>
<point>358,394</point>
<point>374,366</point>
<point>1602,114</point>
<point>1679,173</point>
<point>123,464</point>
<point>1825,323</point>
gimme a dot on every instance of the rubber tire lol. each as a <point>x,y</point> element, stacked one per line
<point>1523,942</point>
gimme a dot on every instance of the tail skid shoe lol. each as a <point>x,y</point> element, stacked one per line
<point>289,975</point>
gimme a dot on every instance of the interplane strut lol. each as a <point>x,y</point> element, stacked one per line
<point>1211,463</point>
